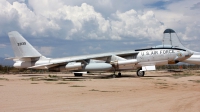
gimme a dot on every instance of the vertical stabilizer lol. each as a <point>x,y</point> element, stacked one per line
<point>21,47</point>
<point>170,38</point>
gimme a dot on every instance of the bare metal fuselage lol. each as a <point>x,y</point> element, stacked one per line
<point>154,57</point>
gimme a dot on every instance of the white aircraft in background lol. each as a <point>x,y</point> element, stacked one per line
<point>170,38</point>
<point>26,56</point>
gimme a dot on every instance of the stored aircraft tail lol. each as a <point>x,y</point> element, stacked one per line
<point>170,38</point>
<point>21,47</point>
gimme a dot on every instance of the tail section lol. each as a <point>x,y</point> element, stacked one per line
<point>170,38</point>
<point>21,47</point>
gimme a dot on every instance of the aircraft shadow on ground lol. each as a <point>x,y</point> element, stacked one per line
<point>100,77</point>
<point>32,75</point>
<point>159,76</point>
<point>95,76</point>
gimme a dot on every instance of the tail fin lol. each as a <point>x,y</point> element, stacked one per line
<point>170,38</point>
<point>21,47</point>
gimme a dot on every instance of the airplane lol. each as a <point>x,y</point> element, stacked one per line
<point>170,38</point>
<point>26,56</point>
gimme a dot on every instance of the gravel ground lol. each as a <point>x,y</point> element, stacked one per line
<point>157,91</point>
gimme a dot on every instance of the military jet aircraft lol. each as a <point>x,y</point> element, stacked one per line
<point>170,38</point>
<point>26,56</point>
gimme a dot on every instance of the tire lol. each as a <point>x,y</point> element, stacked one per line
<point>140,73</point>
<point>78,74</point>
<point>119,74</point>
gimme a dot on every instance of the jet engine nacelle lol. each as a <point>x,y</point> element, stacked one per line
<point>126,62</point>
<point>97,67</point>
<point>21,64</point>
<point>73,66</point>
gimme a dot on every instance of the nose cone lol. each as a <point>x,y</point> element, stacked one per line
<point>183,55</point>
<point>188,54</point>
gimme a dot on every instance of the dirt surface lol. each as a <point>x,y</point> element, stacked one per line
<point>157,91</point>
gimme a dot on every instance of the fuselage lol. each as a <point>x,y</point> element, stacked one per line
<point>194,59</point>
<point>172,54</point>
<point>144,57</point>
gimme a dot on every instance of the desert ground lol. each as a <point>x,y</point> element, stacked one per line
<point>157,91</point>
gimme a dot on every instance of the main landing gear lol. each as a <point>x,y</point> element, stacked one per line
<point>78,74</point>
<point>119,75</point>
<point>140,73</point>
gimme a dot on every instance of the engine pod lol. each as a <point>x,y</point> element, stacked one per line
<point>73,66</point>
<point>97,67</point>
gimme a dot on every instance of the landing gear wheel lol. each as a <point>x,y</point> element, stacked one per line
<point>140,73</point>
<point>78,74</point>
<point>119,74</point>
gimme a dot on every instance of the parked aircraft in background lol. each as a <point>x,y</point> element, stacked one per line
<point>170,38</point>
<point>26,56</point>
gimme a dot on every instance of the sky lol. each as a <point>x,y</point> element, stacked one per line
<point>61,28</point>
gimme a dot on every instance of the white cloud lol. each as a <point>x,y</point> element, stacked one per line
<point>137,25</point>
<point>17,16</point>
<point>11,1</point>
<point>100,20</point>
<point>79,16</point>
<point>65,19</point>
<point>184,19</point>
<point>54,18</point>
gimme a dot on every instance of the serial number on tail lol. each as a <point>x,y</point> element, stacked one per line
<point>21,43</point>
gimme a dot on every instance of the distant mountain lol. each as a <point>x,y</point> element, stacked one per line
<point>5,62</point>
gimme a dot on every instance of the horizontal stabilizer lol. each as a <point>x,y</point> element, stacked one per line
<point>12,58</point>
<point>43,66</point>
<point>24,58</point>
